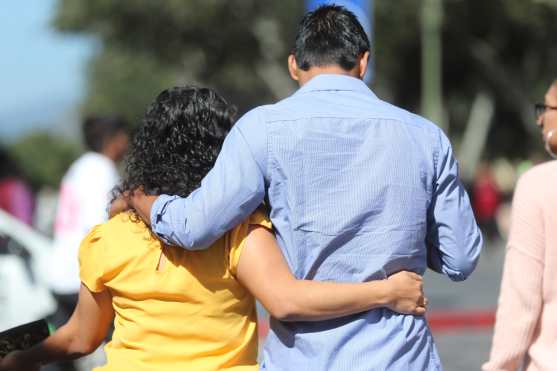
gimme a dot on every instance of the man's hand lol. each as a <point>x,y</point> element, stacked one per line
<point>119,205</point>
<point>136,200</point>
<point>142,204</point>
<point>406,293</point>
<point>13,362</point>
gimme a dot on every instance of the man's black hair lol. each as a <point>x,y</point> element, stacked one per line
<point>330,35</point>
<point>178,141</point>
<point>97,130</point>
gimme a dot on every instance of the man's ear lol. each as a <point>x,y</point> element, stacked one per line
<point>293,67</point>
<point>363,63</point>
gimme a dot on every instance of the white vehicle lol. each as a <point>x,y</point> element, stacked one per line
<point>24,295</point>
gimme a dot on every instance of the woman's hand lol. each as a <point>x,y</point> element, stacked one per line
<point>13,362</point>
<point>136,200</point>
<point>406,293</point>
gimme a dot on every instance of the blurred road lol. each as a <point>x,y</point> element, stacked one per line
<point>461,348</point>
<point>464,347</point>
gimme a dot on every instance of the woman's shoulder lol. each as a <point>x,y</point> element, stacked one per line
<point>237,236</point>
<point>124,230</point>
<point>125,221</point>
<point>536,187</point>
<point>259,217</point>
<point>115,243</point>
<point>540,176</point>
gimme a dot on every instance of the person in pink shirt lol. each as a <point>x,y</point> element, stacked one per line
<point>526,323</point>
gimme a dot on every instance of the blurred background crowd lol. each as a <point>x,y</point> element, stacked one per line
<point>474,67</point>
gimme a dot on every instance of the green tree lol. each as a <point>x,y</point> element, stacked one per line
<point>503,48</point>
<point>500,49</point>
<point>236,46</point>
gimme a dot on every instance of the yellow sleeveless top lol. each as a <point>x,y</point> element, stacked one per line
<point>189,313</point>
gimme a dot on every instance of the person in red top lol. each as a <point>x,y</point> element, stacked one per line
<point>16,197</point>
<point>486,200</point>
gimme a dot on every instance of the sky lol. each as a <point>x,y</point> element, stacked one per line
<point>42,72</point>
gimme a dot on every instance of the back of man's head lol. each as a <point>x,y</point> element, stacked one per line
<point>99,130</point>
<point>330,35</point>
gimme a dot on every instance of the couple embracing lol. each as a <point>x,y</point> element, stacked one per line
<point>327,207</point>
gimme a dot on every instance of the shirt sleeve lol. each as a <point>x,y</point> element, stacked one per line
<point>91,258</point>
<point>229,193</point>
<point>520,300</point>
<point>454,239</point>
<point>238,236</point>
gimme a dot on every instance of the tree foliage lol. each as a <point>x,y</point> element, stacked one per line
<point>503,48</point>
<point>236,46</point>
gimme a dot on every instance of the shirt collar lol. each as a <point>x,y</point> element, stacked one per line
<point>335,82</point>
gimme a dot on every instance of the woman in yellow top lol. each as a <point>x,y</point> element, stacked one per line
<point>174,309</point>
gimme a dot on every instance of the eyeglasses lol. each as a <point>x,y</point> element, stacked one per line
<point>540,109</point>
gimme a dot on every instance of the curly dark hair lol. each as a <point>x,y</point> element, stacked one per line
<point>178,141</point>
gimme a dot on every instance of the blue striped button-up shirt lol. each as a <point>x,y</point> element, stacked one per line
<point>358,189</point>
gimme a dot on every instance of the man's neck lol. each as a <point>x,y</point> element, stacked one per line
<point>305,76</point>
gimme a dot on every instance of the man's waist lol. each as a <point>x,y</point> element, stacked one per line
<point>381,318</point>
<point>341,342</point>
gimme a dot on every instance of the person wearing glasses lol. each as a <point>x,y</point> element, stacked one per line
<point>526,321</point>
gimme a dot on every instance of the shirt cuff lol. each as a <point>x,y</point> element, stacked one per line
<point>157,213</point>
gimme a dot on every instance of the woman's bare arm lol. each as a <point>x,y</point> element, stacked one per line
<point>263,270</point>
<point>81,335</point>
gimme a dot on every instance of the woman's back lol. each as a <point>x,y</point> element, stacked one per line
<point>527,312</point>
<point>174,309</point>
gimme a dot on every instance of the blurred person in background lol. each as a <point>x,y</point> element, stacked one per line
<point>16,196</point>
<point>85,193</point>
<point>174,309</point>
<point>358,189</point>
<point>486,198</point>
<point>525,329</point>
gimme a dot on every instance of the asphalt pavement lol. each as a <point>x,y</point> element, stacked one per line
<point>462,347</point>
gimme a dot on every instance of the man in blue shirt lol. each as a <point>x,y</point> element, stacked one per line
<point>358,189</point>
